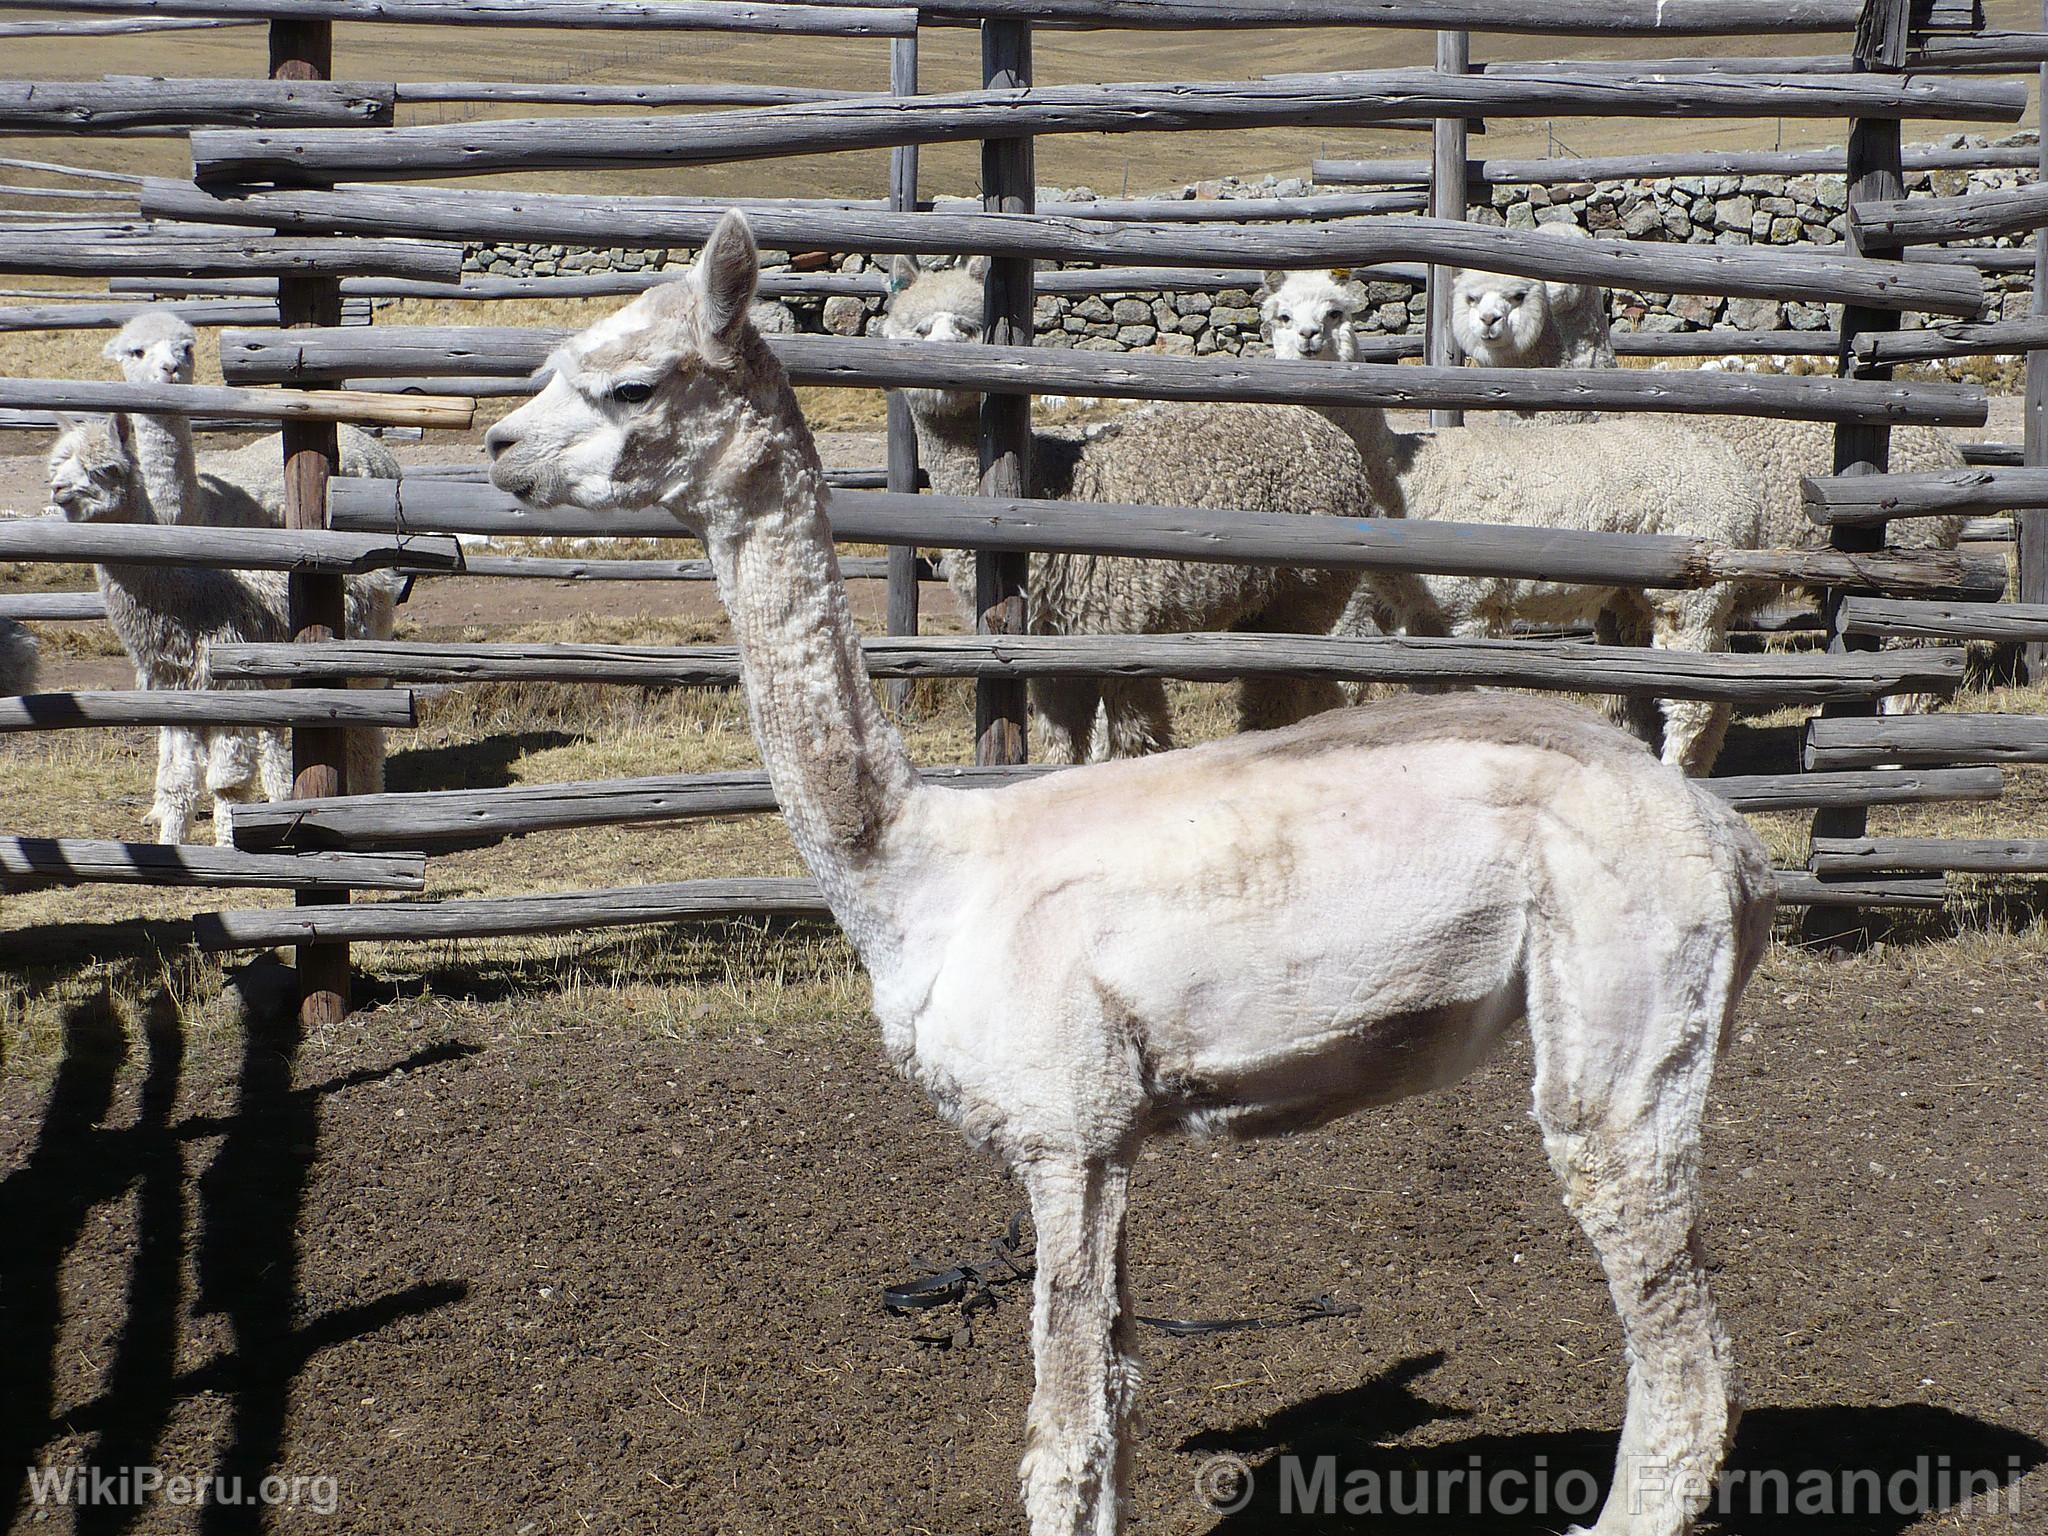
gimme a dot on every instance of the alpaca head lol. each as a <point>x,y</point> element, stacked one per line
<point>654,401</point>
<point>1308,315</point>
<point>92,470</point>
<point>943,305</point>
<point>156,347</point>
<point>1498,319</point>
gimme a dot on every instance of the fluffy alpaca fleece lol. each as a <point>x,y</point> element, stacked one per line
<point>166,616</point>
<point>1622,476</point>
<point>1256,457</point>
<point>1247,937</point>
<point>20,659</point>
<point>1504,321</point>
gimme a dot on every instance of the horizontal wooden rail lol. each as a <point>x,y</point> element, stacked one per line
<point>74,256</point>
<point>2002,455</point>
<point>1726,341</point>
<point>1742,271</point>
<point>41,861</point>
<point>232,707</point>
<point>447,412</point>
<point>1926,220</point>
<point>1927,855</point>
<point>568,94</point>
<point>1551,170</point>
<point>1925,740</point>
<point>1950,339</point>
<point>107,106</point>
<point>1587,18</point>
<point>1352,99</point>
<point>439,820</point>
<point>70,607</point>
<point>1989,530</point>
<point>864,18</point>
<point>306,356</point>
<point>53,541</point>
<point>1800,677</point>
<point>1864,500</point>
<point>1221,536</point>
<point>719,900</point>
<point>12,420</point>
<point>551,568</point>
<point>2007,622</point>
<point>90,315</point>
<point>121,27</point>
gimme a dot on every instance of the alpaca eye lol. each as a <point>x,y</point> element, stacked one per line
<point>632,394</point>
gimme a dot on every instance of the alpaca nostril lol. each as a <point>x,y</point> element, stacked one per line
<point>496,443</point>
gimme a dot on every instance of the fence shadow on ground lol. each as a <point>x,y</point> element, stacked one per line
<point>1883,1467</point>
<point>241,1246</point>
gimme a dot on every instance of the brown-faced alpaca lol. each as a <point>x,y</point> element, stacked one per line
<point>1247,937</point>
<point>1260,458</point>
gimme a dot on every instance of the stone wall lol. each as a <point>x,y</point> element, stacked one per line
<point>1699,210</point>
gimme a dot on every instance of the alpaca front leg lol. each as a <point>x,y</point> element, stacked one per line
<point>1062,719</point>
<point>1076,1468</point>
<point>180,776</point>
<point>1694,729</point>
<point>1137,720</point>
<point>231,774</point>
<point>274,764</point>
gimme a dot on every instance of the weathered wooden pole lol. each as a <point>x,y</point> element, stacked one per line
<point>1875,172</point>
<point>2032,555</point>
<point>1447,194</point>
<point>304,50</point>
<point>1007,186</point>
<point>902,580</point>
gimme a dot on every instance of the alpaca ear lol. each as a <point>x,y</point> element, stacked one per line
<point>903,271</point>
<point>1273,279</point>
<point>123,432</point>
<point>112,350</point>
<point>726,272</point>
<point>977,268</point>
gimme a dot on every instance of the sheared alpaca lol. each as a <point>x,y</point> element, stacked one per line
<point>165,617</point>
<point>1250,937</point>
<point>1264,458</point>
<point>1617,476</point>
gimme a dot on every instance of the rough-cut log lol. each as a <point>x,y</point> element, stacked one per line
<point>870,19</point>
<point>82,172</point>
<point>2020,622</point>
<point>1594,18</point>
<point>539,568</point>
<point>1721,341</point>
<point>885,121</point>
<point>118,28</point>
<point>617,95</point>
<point>1974,338</point>
<point>471,818</point>
<point>66,194</point>
<point>308,356</point>
<point>449,412</point>
<point>1986,50</point>
<point>29,251</point>
<point>1798,888</point>
<point>53,541</point>
<point>398,921</point>
<point>107,106</point>
<point>46,421</point>
<point>1976,216</point>
<point>1811,791</point>
<point>1243,210</point>
<point>1834,856</point>
<point>1227,537</point>
<point>1862,500</point>
<point>68,607</point>
<point>80,861</point>
<point>99,316</point>
<point>1789,678</point>
<point>1988,530</point>
<point>172,706</point>
<point>1746,271</point>
<point>1925,740</point>
<point>2001,455</point>
<point>1704,162</point>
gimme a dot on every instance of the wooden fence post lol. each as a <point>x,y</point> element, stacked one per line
<point>1008,185</point>
<point>1447,197</point>
<point>902,580</point>
<point>2032,553</point>
<point>1875,171</point>
<point>304,50</point>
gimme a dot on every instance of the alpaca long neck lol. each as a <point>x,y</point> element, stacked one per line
<point>948,448</point>
<point>1386,453</point>
<point>169,467</point>
<point>840,771</point>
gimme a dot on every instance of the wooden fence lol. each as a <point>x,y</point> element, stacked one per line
<point>262,233</point>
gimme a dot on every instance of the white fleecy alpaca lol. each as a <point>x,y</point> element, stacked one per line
<point>1261,458</point>
<point>166,616</point>
<point>243,488</point>
<point>1501,320</point>
<point>1617,476</point>
<point>1251,936</point>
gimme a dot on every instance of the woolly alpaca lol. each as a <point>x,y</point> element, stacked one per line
<point>1607,477</point>
<point>243,488</point>
<point>20,659</point>
<point>1263,458</point>
<point>166,616</point>
<point>1504,321</point>
<point>1251,936</point>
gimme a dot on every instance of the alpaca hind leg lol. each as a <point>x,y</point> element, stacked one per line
<point>1628,620</point>
<point>274,764</point>
<point>1694,729</point>
<point>1137,718</point>
<point>1062,718</point>
<point>231,778</point>
<point>1266,703</point>
<point>1076,1467</point>
<point>180,777</point>
<point>1621,1077</point>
